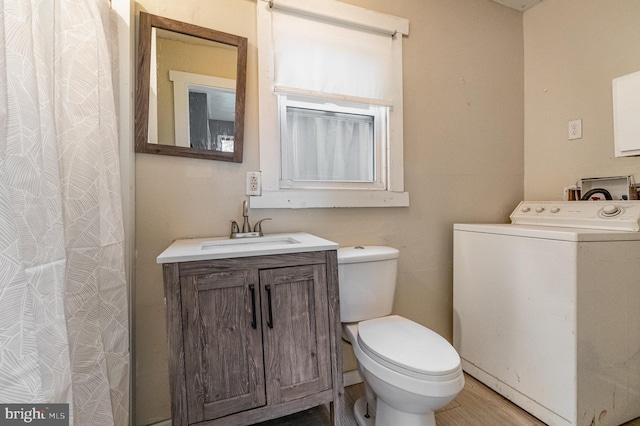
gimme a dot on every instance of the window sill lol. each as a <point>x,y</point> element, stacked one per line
<point>308,199</point>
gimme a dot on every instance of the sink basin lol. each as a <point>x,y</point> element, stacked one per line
<point>246,242</point>
<point>224,247</point>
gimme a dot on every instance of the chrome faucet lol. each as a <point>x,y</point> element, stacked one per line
<point>246,227</point>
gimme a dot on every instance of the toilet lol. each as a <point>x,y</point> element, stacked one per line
<point>408,370</point>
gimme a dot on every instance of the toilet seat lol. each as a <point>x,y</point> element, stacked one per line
<point>408,348</point>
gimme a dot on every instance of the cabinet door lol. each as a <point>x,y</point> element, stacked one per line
<point>222,343</point>
<point>296,332</point>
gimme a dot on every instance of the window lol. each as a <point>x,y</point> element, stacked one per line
<point>330,77</point>
<point>331,145</point>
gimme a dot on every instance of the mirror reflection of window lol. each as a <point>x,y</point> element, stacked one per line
<point>203,109</point>
<point>211,118</point>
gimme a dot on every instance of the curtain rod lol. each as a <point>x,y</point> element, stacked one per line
<point>310,9</point>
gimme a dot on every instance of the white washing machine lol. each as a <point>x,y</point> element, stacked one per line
<point>547,309</point>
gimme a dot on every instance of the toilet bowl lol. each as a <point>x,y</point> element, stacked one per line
<point>409,371</point>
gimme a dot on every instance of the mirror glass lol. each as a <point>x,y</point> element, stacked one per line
<point>190,93</point>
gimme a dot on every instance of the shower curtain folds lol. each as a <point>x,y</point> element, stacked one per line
<point>63,292</point>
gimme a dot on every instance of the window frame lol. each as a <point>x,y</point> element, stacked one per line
<point>273,194</point>
<point>379,115</point>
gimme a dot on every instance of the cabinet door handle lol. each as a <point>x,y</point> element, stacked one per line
<point>270,319</point>
<point>253,306</point>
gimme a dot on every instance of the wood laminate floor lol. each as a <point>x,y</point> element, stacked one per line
<point>477,405</point>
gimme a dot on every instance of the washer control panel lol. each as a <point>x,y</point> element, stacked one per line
<point>610,215</point>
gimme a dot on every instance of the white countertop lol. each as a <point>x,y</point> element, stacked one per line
<point>189,250</point>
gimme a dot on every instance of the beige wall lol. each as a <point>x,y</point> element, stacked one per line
<point>573,49</point>
<point>463,148</point>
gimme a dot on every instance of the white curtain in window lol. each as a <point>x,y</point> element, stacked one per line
<point>63,295</point>
<point>315,55</point>
<point>330,148</point>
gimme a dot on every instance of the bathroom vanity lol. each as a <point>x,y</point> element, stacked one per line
<point>253,328</point>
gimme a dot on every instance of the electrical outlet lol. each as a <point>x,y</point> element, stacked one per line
<point>254,183</point>
<point>575,129</point>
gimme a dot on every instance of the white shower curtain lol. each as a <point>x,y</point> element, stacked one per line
<point>63,294</point>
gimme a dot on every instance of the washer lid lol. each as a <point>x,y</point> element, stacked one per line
<point>406,346</point>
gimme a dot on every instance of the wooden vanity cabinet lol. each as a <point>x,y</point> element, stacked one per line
<point>253,338</point>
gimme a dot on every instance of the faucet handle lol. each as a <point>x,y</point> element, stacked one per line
<point>258,226</point>
<point>234,228</point>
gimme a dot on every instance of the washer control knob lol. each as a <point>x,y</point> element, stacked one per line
<point>526,209</point>
<point>611,210</point>
<point>555,210</point>
<point>539,209</point>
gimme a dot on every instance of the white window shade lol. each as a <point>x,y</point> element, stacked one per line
<point>315,56</point>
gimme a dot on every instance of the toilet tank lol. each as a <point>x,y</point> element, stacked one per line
<point>367,280</point>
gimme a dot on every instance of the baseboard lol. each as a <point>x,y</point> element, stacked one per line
<point>350,378</point>
<point>163,423</point>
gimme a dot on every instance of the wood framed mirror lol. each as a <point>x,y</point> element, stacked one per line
<point>190,90</point>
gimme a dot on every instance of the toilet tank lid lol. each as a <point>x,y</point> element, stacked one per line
<point>360,254</point>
